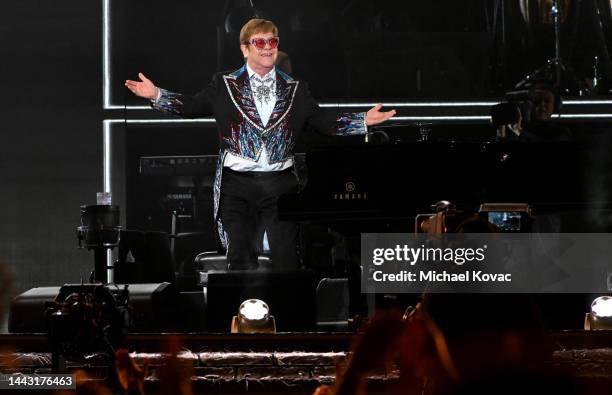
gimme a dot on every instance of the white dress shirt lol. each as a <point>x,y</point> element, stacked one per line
<point>264,108</point>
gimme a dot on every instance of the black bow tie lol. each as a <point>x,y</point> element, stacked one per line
<point>263,89</point>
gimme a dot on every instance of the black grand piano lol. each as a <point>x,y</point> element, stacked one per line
<point>356,186</point>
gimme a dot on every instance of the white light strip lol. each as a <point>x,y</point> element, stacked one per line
<point>106,55</point>
<point>445,118</point>
<point>357,105</point>
<point>398,104</point>
<point>583,116</point>
<point>414,104</point>
<point>178,120</point>
<point>583,102</point>
<point>112,121</point>
<point>113,107</point>
<point>153,121</point>
<point>212,120</point>
<point>107,155</point>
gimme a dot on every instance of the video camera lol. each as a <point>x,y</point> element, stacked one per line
<point>490,218</point>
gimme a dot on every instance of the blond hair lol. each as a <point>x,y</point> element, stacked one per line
<point>255,26</point>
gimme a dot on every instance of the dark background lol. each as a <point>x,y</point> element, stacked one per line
<point>51,71</point>
<point>50,162</point>
<point>358,49</point>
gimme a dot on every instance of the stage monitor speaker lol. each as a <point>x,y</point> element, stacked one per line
<point>27,310</point>
<point>153,308</point>
<point>290,294</point>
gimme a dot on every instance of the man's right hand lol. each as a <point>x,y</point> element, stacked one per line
<point>143,88</point>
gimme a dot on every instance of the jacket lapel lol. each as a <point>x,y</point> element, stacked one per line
<point>239,89</point>
<point>285,92</point>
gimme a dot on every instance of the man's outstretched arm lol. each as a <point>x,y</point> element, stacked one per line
<point>344,124</point>
<point>188,106</point>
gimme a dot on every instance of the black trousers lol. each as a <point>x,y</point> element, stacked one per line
<point>248,207</point>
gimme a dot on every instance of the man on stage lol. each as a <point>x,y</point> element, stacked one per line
<point>259,112</point>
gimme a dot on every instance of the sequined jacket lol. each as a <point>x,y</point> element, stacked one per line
<point>229,99</point>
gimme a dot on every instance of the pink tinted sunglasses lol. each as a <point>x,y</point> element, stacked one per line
<point>260,43</point>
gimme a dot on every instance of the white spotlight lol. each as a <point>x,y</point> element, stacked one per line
<point>600,316</point>
<point>253,317</point>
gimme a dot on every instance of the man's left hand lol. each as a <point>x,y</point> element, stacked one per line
<point>375,116</point>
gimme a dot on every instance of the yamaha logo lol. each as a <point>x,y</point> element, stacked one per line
<point>350,193</point>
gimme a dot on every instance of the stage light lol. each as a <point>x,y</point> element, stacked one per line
<point>602,307</point>
<point>600,316</point>
<point>253,317</point>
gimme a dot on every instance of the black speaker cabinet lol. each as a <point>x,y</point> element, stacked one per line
<point>153,308</point>
<point>289,294</point>
<point>27,310</point>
